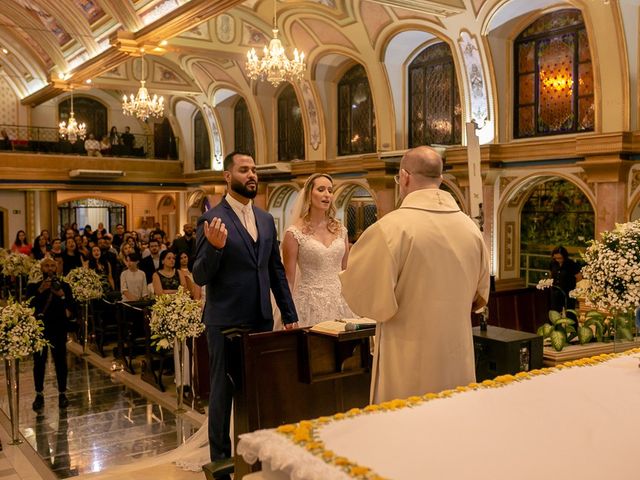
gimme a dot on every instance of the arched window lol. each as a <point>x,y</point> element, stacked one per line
<point>243,131</point>
<point>201,145</point>
<point>549,56</point>
<point>164,141</point>
<point>356,118</point>
<point>435,114</point>
<point>555,212</point>
<point>88,111</point>
<point>290,126</point>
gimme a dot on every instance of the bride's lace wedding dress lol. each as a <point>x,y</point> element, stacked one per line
<point>317,291</point>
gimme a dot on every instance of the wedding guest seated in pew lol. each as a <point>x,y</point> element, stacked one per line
<point>166,280</point>
<point>133,282</point>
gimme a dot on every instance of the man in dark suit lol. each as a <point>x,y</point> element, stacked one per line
<point>52,301</point>
<point>151,263</point>
<point>238,260</point>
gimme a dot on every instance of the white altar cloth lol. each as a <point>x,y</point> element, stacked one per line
<point>578,422</point>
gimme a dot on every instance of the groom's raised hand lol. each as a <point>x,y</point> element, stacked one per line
<point>216,233</point>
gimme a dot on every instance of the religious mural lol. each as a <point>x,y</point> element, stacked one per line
<point>475,78</point>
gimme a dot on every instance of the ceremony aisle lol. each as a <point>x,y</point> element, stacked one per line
<point>113,419</point>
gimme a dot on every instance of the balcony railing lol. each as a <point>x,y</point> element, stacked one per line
<point>47,140</point>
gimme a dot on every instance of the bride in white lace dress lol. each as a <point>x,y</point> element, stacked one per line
<point>315,249</point>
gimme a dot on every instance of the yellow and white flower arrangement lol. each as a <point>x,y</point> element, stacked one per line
<point>21,333</point>
<point>35,274</point>
<point>16,264</point>
<point>305,433</point>
<point>4,253</point>
<point>175,316</point>
<point>84,283</point>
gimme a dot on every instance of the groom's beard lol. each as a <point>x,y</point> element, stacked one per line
<point>241,189</point>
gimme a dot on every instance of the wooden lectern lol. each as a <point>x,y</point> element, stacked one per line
<point>292,375</point>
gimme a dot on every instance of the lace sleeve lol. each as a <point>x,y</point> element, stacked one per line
<point>343,231</point>
<point>297,234</point>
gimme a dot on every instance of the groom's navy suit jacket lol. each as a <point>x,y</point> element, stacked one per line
<point>240,276</point>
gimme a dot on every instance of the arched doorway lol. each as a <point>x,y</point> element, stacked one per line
<point>164,141</point>
<point>92,211</point>
<point>4,230</point>
<point>281,203</point>
<point>167,216</point>
<point>88,111</point>
<point>538,214</point>
<point>356,208</point>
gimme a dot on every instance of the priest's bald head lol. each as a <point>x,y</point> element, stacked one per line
<point>420,168</point>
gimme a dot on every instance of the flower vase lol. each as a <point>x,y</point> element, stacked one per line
<point>179,344</point>
<point>11,366</point>
<point>85,326</point>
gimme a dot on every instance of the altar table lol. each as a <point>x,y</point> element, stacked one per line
<point>579,421</point>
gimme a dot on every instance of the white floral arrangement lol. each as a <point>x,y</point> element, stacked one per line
<point>17,264</point>
<point>85,284</point>
<point>35,274</point>
<point>545,283</point>
<point>175,316</point>
<point>612,271</point>
<point>21,333</point>
<point>4,253</point>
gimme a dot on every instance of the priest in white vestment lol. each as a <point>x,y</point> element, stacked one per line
<point>419,272</point>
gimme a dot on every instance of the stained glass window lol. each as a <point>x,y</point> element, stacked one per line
<point>435,114</point>
<point>201,145</point>
<point>356,118</point>
<point>243,131</point>
<point>290,126</point>
<point>549,55</point>
<point>555,213</point>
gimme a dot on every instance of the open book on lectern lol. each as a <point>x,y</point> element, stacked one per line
<point>334,327</point>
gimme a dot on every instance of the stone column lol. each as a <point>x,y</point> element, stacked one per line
<point>609,174</point>
<point>47,212</point>
<point>385,189</point>
<point>30,215</point>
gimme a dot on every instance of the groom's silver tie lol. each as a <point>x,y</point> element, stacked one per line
<point>248,223</point>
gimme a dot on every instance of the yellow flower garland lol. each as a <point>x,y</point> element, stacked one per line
<point>305,433</point>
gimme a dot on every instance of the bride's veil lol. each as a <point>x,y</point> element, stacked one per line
<point>291,219</point>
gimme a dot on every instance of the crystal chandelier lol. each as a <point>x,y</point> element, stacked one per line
<point>71,130</point>
<point>142,105</point>
<point>275,66</point>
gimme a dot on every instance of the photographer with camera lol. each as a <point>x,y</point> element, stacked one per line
<point>52,301</point>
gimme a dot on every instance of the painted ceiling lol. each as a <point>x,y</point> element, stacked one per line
<point>189,44</point>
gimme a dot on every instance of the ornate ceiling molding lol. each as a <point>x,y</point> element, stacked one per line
<point>127,44</point>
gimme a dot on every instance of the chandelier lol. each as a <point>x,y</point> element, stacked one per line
<point>71,130</point>
<point>275,66</point>
<point>142,105</point>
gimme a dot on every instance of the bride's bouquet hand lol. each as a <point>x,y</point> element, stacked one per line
<point>216,233</point>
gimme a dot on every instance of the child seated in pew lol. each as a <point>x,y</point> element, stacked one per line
<point>133,282</point>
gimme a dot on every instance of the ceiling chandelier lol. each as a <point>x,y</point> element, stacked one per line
<point>275,66</point>
<point>72,130</point>
<point>142,105</point>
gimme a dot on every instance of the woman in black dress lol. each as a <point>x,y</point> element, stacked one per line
<point>565,273</point>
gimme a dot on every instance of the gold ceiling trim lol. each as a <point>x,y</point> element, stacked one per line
<point>126,44</point>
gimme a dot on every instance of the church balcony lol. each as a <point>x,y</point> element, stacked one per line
<point>59,171</point>
<point>46,140</point>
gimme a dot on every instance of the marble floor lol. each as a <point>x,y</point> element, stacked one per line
<point>112,419</point>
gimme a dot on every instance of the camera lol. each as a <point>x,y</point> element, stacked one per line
<point>56,283</point>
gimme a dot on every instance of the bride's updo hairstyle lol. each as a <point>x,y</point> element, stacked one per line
<point>333,225</point>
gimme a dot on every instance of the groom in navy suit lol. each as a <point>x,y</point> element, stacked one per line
<point>238,260</point>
